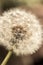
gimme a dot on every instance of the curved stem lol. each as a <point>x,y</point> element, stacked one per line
<point>6,58</point>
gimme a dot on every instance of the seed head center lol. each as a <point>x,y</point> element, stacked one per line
<point>18,32</point>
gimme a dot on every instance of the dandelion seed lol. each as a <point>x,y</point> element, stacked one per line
<point>20,31</point>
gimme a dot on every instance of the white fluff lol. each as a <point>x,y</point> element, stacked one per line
<point>29,26</point>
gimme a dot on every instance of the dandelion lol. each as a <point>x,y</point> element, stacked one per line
<point>20,32</point>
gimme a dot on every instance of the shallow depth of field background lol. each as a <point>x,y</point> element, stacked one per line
<point>36,7</point>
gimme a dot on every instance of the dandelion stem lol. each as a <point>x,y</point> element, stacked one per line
<point>6,58</point>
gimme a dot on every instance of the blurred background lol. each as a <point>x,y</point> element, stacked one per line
<point>36,7</point>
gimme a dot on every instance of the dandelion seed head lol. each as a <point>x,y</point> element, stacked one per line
<point>20,31</point>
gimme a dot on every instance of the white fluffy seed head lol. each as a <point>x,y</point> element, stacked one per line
<point>20,32</point>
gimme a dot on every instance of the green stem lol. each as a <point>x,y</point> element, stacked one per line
<point>6,58</point>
